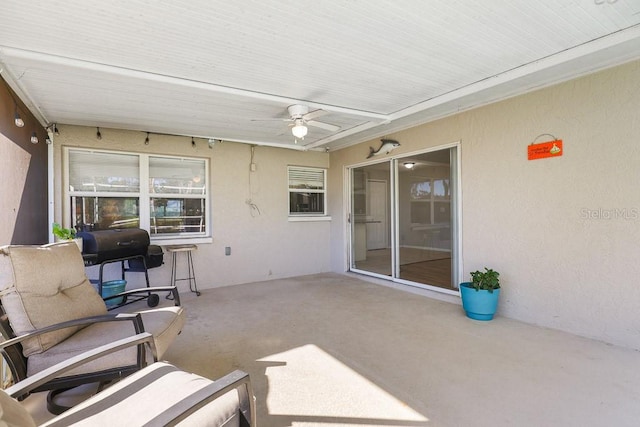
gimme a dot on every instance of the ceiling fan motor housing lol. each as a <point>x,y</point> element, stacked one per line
<point>297,111</point>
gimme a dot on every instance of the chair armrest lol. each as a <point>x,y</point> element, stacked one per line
<point>136,318</point>
<point>25,386</point>
<point>172,289</point>
<point>11,348</point>
<point>235,380</point>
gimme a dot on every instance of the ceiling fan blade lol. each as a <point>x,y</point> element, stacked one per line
<point>271,120</point>
<point>314,114</point>
<point>323,125</point>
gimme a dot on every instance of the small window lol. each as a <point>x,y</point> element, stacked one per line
<point>307,191</point>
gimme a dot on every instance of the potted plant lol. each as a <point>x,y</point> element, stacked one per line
<point>480,296</point>
<point>63,234</point>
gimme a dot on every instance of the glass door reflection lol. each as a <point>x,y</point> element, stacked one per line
<point>371,219</point>
<point>424,219</point>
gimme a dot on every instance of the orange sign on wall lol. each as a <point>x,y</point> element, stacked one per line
<point>545,149</point>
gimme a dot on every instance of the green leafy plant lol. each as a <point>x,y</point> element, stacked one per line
<point>486,280</point>
<point>63,233</point>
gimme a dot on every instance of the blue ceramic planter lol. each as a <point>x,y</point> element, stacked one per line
<point>478,305</point>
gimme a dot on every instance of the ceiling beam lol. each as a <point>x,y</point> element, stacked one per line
<point>8,52</point>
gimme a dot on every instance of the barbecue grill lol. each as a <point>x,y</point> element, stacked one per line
<point>129,246</point>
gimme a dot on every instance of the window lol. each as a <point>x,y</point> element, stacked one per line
<point>177,189</point>
<point>430,201</point>
<point>307,191</point>
<point>105,192</point>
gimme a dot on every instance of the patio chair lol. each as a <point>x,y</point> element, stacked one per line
<point>45,294</point>
<point>158,395</point>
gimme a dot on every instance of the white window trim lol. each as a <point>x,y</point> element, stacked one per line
<point>309,218</point>
<point>143,194</point>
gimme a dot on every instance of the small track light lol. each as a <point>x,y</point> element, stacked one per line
<point>146,140</point>
<point>48,141</point>
<point>193,143</point>
<point>98,134</point>
<point>18,120</point>
<point>55,130</point>
<point>34,138</point>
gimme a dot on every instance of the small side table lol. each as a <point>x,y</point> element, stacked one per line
<point>191,277</point>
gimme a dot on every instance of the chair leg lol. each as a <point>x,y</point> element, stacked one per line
<point>173,274</point>
<point>192,275</point>
<point>54,407</point>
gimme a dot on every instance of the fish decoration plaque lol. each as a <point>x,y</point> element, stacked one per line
<point>388,145</point>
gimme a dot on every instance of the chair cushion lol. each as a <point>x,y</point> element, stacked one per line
<point>139,398</point>
<point>164,323</point>
<point>44,285</point>
<point>12,413</point>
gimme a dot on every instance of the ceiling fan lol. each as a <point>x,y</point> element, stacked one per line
<point>300,117</point>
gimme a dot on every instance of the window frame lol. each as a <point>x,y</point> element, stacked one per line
<point>145,195</point>
<point>430,201</point>
<point>307,216</point>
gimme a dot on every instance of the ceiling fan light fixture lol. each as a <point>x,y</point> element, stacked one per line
<point>299,130</point>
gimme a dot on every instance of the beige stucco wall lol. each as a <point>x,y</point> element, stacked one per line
<point>263,247</point>
<point>563,232</point>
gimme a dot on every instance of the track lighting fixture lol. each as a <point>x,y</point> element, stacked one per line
<point>17,119</point>
<point>34,138</point>
<point>212,142</point>
<point>193,143</point>
<point>48,141</point>
<point>98,134</point>
<point>51,129</point>
<point>146,140</point>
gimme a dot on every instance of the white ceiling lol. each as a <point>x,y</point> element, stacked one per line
<point>214,68</point>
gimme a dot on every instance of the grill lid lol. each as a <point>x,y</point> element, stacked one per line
<point>113,244</point>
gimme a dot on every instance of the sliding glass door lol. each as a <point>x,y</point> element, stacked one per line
<point>403,219</point>
<point>370,219</point>
<point>425,219</point>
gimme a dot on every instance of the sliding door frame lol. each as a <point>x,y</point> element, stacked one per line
<point>456,214</point>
